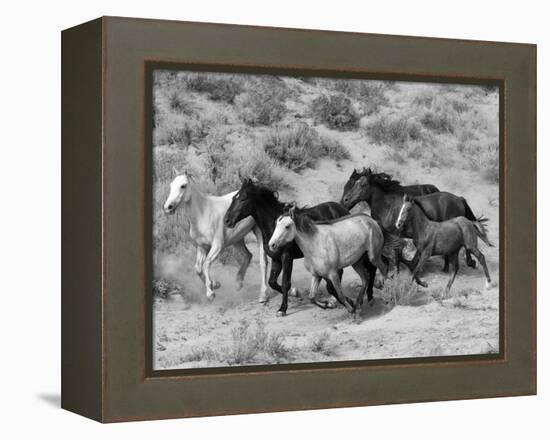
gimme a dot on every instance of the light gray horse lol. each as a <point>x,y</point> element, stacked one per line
<point>205,216</point>
<point>328,246</point>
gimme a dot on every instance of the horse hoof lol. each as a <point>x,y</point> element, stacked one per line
<point>280,314</point>
<point>210,297</point>
<point>262,299</point>
<point>216,285</point>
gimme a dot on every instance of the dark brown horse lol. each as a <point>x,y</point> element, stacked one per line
<point>385,197</point>
<point>263,205</point>
<point>441,238</point>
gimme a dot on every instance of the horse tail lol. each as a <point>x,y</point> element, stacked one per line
<point>468,213</point>
<point>480,225</point>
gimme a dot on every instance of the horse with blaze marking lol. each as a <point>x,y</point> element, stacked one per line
<point>205,214</point>
<point>441,238</point>
<point>329,246</point>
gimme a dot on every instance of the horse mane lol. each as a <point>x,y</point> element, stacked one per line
<point>302,221</point>
<point>263,192</point>
<point>419,204</point>
<point>384,180</point>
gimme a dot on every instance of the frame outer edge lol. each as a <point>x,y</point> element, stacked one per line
<point>81,216</point>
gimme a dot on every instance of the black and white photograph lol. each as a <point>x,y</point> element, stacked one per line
<point>301,219</point>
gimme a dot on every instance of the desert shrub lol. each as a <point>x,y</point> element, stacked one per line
<point>179,105</point>
<point>164,288</point>
<point>225,163</point>
<point>488,163</point>
<point>218,87</point>
<point>321,343</point>
<point>335,111</point>
<point>299,146</point>
<point>181,132</point>
<point>395,131</point>
<point>438,122</point>
<point>261,106</point>
<point>370,94</point>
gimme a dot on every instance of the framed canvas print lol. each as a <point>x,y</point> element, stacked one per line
<point>283,219</point>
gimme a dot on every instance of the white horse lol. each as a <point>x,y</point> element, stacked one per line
<point>328,246</point>
<point>205,215</point>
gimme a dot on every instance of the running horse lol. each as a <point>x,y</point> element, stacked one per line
<point>205,214</point>
<point>263,205</point>
<point>385,195</point>
<point>442,238</point>
<point>331,245</point>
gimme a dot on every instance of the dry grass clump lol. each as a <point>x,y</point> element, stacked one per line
<point>398,289</point>
<point>335,111</point>
<point>179,104</point>
<point>249,344</point>
<point>321,343</point>
<point>299,146</point>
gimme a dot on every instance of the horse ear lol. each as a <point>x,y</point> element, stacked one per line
<point>407,198</point>
<point>175,172</point>
<point>291,211</point>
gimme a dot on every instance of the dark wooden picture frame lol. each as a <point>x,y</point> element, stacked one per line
<point>106,192</point>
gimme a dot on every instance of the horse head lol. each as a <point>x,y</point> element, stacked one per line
<point>285,230</point>
<point>404,211</point>
<point>241,205</point>
<point>178,191</point>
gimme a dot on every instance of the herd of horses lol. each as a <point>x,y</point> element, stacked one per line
<point>327,236</point>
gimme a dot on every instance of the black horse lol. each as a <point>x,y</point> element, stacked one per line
<point>264,206</point>
<point>411,190</point>
<point>385,198</point>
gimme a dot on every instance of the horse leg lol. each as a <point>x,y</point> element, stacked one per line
<point>424,255</point>
<point>481,258</point>
<point>413,268</point>
<point>287,275</point>
<point>314,287</point>
<point>263,265</point>
<point>247,256</point>
<point>338,286</point>
<point>276,267</point>
<point>331,304</point>
<point>215,250</point>
<point>397,260</point>
<point>470,262</point>
<point>446,265</point>
<point>371,269</point>
<point>201,255</point>
<point>455,261</point>
<point>361,268</point>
